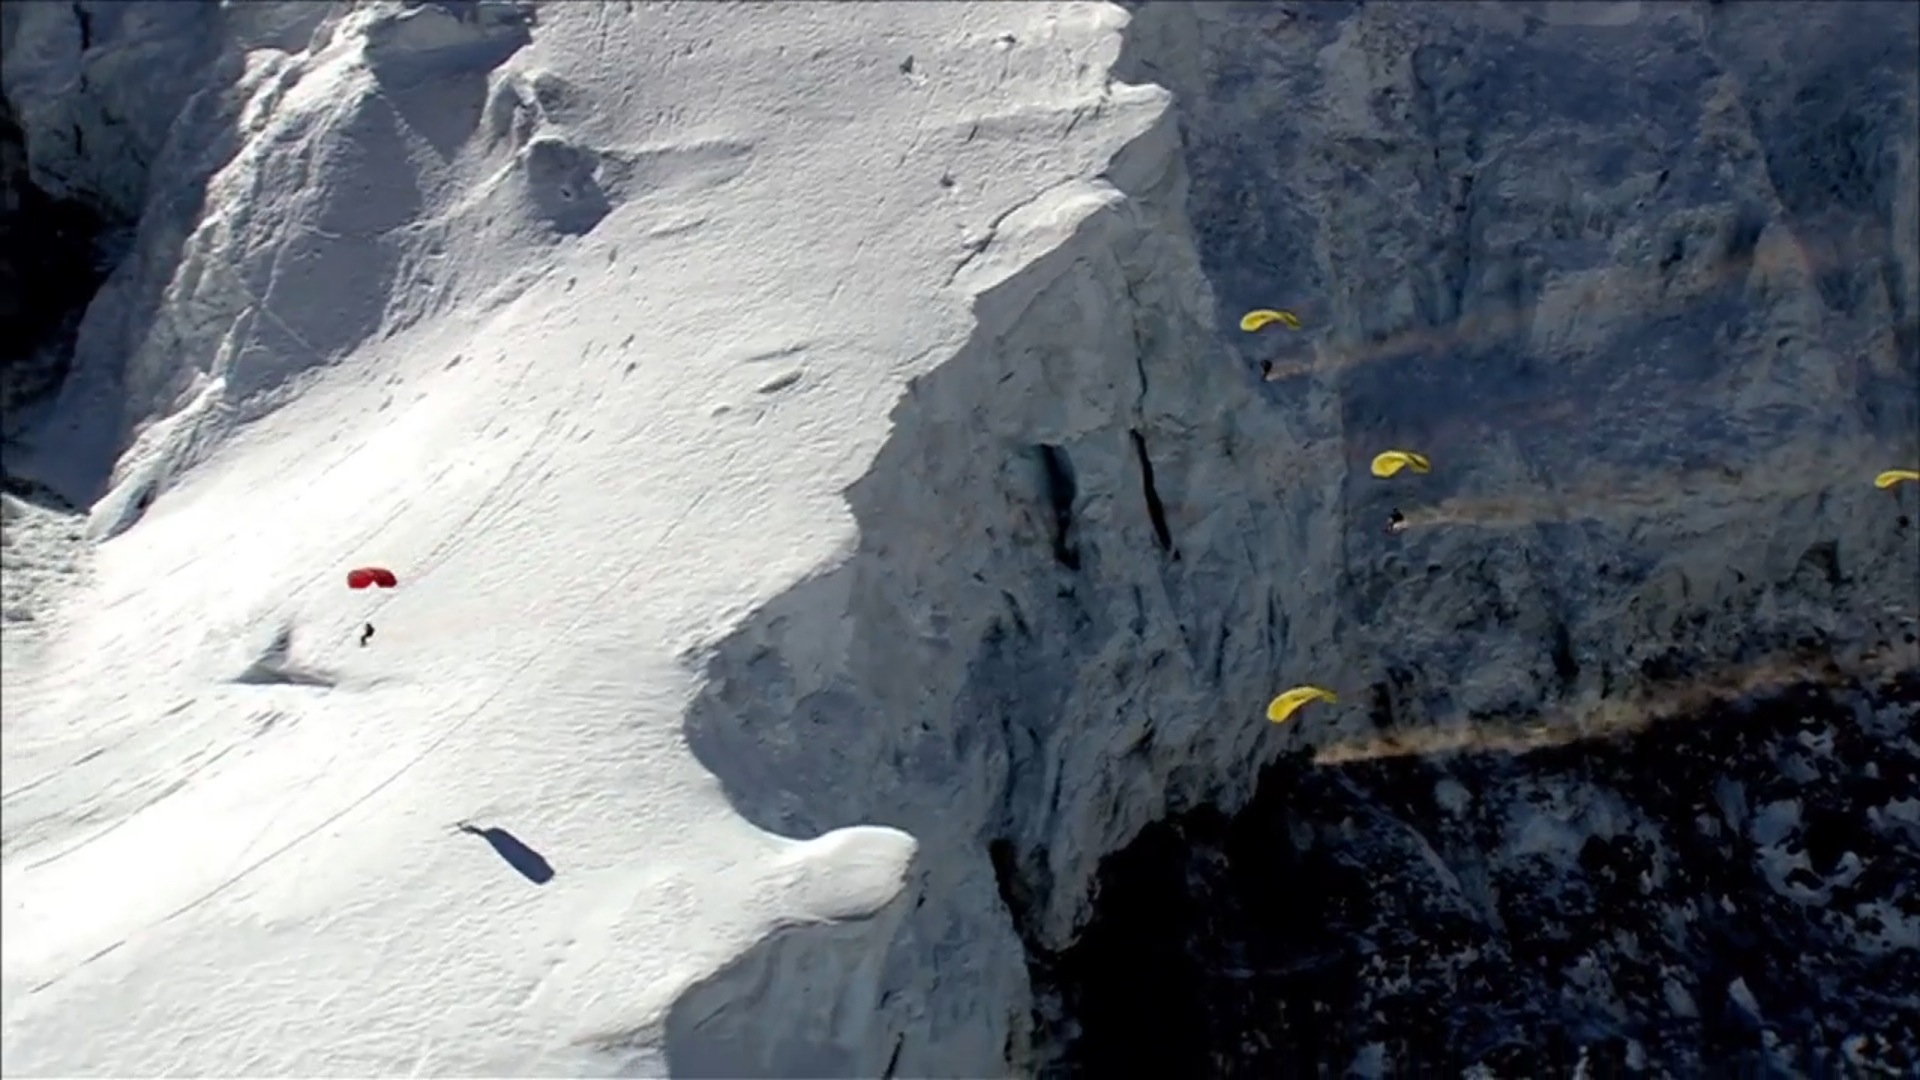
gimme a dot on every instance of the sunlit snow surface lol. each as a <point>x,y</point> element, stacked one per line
<point>587,454</point>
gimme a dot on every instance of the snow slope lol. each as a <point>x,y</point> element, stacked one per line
<point>583,327</point>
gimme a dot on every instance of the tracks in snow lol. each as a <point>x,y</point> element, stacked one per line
<point>502,495</point>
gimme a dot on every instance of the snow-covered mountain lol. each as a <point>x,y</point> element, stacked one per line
<point>834,506</point>
<point>581,319</point>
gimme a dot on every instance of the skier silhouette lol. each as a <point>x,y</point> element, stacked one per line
<point>366,633</point>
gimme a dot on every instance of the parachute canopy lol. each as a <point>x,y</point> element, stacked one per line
<point>1283,706</point>
<point>1254,320</point>
<point>364,576</point>
<point>1893,476</point>
<point>1392,461</point>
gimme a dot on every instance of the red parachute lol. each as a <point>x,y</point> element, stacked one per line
<point>364,576</point>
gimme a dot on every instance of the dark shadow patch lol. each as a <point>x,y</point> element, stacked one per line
<point>1566,668</point>
<point>270,675</point>
<point>275,666</point>
<point>443,37</point>
<point>49,272</point>
<point>445,112</point>
<point>1059,488</point>
<point>525,861</point>
<point>73,448</point>
<point>563,185</point>
<point>717,1030</point>
<point>1156,510</point>
<point>35,494</point>
<point>433,61</point>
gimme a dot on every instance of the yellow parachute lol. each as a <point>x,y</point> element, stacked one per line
<point>1254,320</point>
<point>1893,476</point>
<point>1283,706</point>
<point>1392,461</point>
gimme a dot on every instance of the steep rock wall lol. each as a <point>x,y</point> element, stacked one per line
<point>1062,602</point>
<point>1610,309</point>
<point>1655,342</point>
<point>1644,272</point>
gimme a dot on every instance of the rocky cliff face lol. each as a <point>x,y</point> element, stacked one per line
<point>1641,281</point>
<point>1630,280</point>
<point>1646,276</point>
<point>1732,892</point>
